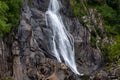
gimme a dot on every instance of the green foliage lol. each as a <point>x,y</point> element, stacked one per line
<point>114,49</point>
<point>110,31</point>
<point>9,15</point>
<point>93,41</point>
<point>115,4</point>
<point>106,11</point>
<point>110,12</point>
<point>14,9</point>
<point>4,26</point>
<point>109,16</point>
<point>78,8</point>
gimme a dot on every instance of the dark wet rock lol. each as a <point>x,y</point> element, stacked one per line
<point>103,75</point>
<point>85,77</point>
<point>117,72</point>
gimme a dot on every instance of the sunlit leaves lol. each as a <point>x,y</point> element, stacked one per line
<point>114,49</point>
<point>9,15</point>
<point>4,26</point>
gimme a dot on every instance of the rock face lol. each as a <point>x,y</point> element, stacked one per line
<point>32,59</point>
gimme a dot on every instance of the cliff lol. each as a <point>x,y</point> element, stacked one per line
<point>27,55</point>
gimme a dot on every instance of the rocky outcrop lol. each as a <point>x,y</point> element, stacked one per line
<point>32,59</point>
<point>33,37</point>
<point>6,57</point>
<point>111,72</point>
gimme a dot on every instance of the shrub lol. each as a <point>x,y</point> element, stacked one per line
<point>114,49</point>
<point>9,15</point>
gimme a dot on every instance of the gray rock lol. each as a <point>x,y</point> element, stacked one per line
<point>33,37</point>
<point>34,56</point>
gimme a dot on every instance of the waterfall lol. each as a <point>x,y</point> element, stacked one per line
<point>61,41</point>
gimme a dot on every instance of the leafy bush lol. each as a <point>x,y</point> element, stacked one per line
<point>114,49</point>
<point>9,15</point>
<point>4,26</point>
<point>93,41</point>
<point>115,4</point>
<point>106,11</point>
<point>78,8</point>
<point>110,12</point>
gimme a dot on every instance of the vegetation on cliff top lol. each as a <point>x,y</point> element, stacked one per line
<point>9,15</point>
<point>110,13</point>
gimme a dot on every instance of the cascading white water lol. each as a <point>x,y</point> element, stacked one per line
<point>61,42</point>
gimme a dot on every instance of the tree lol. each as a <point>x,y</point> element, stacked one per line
<point>4,26</point>
<point>9,15</point>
